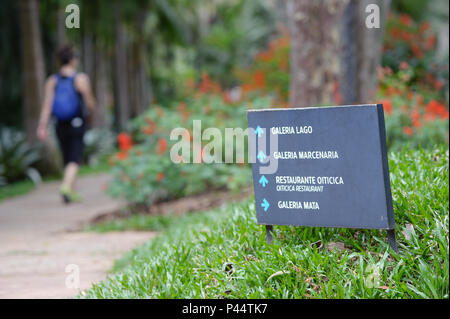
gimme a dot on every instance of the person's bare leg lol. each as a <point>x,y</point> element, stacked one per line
<point>70,175</point>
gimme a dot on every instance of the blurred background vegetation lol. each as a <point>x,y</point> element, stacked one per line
<point>159,64</point>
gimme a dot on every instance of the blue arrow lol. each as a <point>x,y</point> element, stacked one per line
<point>259,131</point>
<point>261,156</point>
<point>265,204</point>
<point>263,181</point>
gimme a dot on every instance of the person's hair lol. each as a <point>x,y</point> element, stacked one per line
<point>65,54</point>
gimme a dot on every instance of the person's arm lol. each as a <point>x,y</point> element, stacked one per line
<point>46,110</point>
<point>83,85</point>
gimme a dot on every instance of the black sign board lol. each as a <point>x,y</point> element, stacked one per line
<point>322,166</point>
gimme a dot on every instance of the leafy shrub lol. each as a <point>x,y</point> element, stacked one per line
<point>269,72</point>
<point>416,112</point>
<point>143,171</point>
<point>409,45</point>
<point>413,117</point>
<point>17,157</point>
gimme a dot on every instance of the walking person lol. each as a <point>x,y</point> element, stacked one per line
<point>69,100</point>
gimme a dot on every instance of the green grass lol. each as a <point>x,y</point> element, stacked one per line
<point>223,253</point>
<point>134,222</point>
<point>16,189</point>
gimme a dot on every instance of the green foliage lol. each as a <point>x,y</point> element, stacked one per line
<point>269,72</point>
<point>415,8</point>
<point>223,253</point>
<point>412,45</point>
<point>17,157</point>
<point>413,114</point>
<point>15,189</point>
<point>146,173</point>
<point>240,30</point>
<point>223,36</point>
<point>400,133</point>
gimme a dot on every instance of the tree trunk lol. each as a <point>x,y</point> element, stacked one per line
<point>100,87</point>
<point>334,55</point>
<point>139,85</point>
<point>61,38</point>
<point>33,73</point>
<point>143,81</point>
<point>133,89</point>
<point>360,52</point>
<point>314,48</point>
<point>88,57</point>
<point>121,96</point>
<point>33,76</point>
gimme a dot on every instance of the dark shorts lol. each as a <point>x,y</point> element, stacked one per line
<point>70,138</point>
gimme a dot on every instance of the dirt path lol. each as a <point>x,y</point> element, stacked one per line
<point>41,239</point>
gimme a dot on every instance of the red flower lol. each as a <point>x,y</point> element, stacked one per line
<point>415,117</point>
<point>162,146</point>
<point>149,129</point>
<point>387,106</point>
<point>406,36</point>
<point>405,19</point>
<point>206,84</point>
<point>407,130</point>
<point>438,84</point>
<point>420,100</point>
<point>259,79</point>
<point>125,142</point>
<point>430,42</point>
<point>160,176</point>
<point>435,108</point>
<point>425,26</point>
<point>122,155</point>
<point>416,51</point>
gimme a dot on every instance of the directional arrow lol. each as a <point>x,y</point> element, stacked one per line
<point>259,131</point>
<point>261,156</point>
<point>265,204</point>
<point>263,181</point>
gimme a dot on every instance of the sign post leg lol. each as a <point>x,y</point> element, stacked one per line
<point>392,239</point>
<point>269,229</point>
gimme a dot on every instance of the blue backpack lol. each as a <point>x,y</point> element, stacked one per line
<point>66,101</point>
